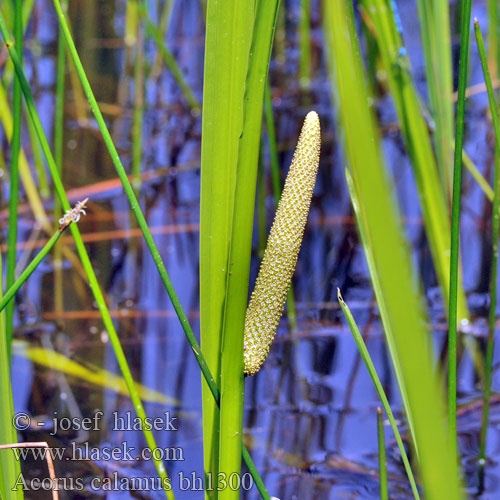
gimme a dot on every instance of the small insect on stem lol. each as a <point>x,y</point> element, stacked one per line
<point>73,215</point>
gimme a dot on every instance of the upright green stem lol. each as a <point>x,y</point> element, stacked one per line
<point>271,138</point>
<point>169,59</point>
<point>163,24</point>
<point>135,206</point>
<point>138,108</point>
<point>382,459</point>
<point>9,294</point>
<point>8,465</point>
<point>58,155</point>
<point>59,112</point>
<point>365,355</point>
<point>465,11</point>
<point>494,249</point>
<point>14,174</point>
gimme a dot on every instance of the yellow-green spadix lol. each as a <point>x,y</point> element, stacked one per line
<point>282,250</point>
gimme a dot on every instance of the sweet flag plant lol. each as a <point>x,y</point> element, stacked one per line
<point>282,250</point>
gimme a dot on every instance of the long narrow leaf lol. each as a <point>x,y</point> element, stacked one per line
<point>135,206</point>
<point>465,12</point>
<point>228,39</point>
<point>232,380</point>
<point>398,288</point>
<point>9,468</point>
<point>365,355</point>
<point>232,116</point>
<point>494,250</point>
<point>433,200</point>
<point>14,173</point>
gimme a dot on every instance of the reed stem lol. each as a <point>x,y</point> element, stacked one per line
<point>137,122</point>
<point>494,250</point>
<point>169,59</point>
<point>365,355</point>
<point>14,175</point>
<point>382,458</point>
<point>9,466</point>
<point>465,10</point>
<point>58,156</point>
<point>12,290</point>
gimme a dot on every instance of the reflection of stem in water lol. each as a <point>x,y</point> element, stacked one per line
<point>28,248</point>
<point>350,384</point>
<point>287,368</point>
<point>137,122</point>
<point>165,17</point>
<point>180,383</point>
<point>169,59</point>
<point>69,399</point>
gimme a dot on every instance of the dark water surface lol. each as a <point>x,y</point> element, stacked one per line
<point>310,414</point>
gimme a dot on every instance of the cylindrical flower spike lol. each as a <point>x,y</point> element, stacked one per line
<point>283,245</point>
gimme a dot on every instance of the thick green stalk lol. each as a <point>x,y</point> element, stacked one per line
<point>12,290</point>
<point>258,55</point>
<point>58,156</point>
<point>169,59</point>
<point>113,336</point>
<point>14,175</point>
<point>223,94</point>
<point>465,12</point>
<point>433,200</point>
<point>214,391</point>
<point>365,355</point>
<point>494,250</point>
<point>382,458</point>
<point>383,21</point>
